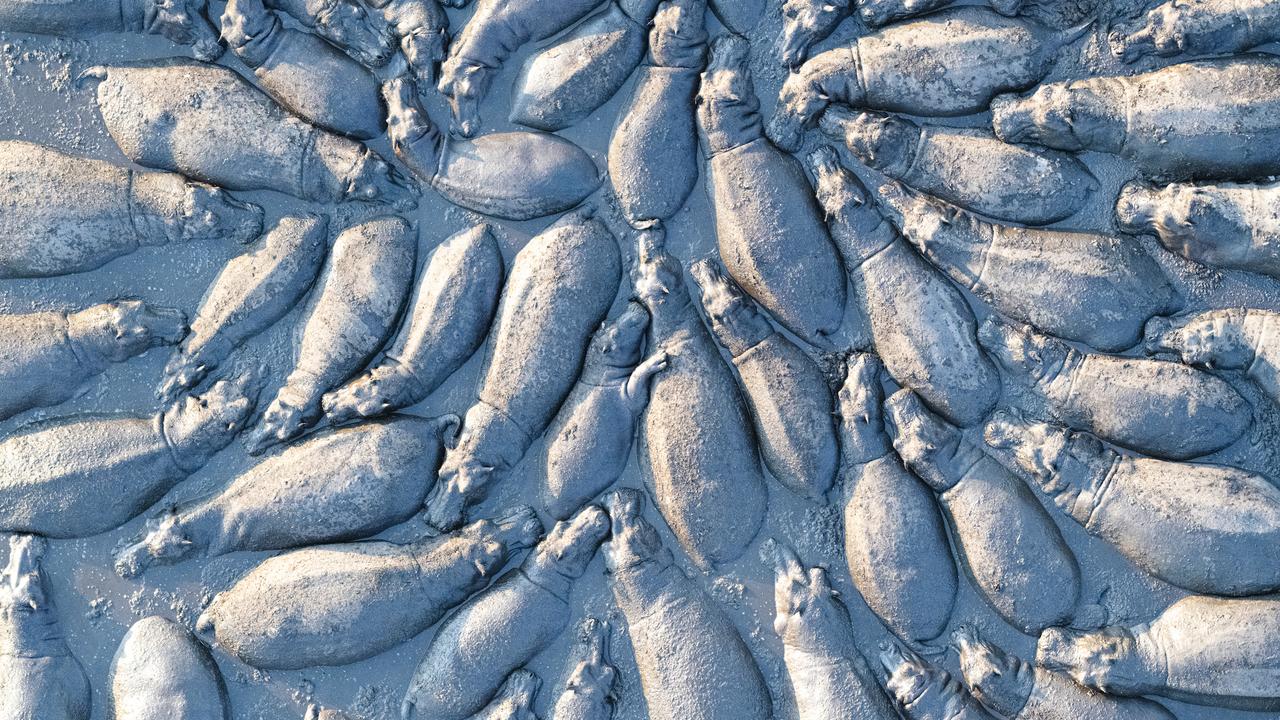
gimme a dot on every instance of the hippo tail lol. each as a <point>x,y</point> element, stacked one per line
<point>1074,33</point>
<point>94,75</point>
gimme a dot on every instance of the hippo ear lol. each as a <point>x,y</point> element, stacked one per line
<point>1035,353</point>
<point>819,583</point>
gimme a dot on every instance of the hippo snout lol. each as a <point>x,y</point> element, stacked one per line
<point>167,325</point>
<point>1135,207</point>
<point>1013,118</point>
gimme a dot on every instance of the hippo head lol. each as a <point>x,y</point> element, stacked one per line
<point>1103,659</point>
<point>909,675</point>
<point>22,586</point>
<point>836,188</point>
<point>861,395</point>
<point>727,107</point>
<point>808,614</point>
<point>854,220</point>
<point>878,13</point>
<point>1064,463</point>
<point>249,28</point>
<point>928,444</point>
<point>349,26</point>
<point>414,138</point>
<point>464,83</point>
<point>1001,681</point>
<point>620,343</point>
<point>679,35</point>
<point>1188,220</point>
<point>423,47</point>
<point>859,401</point>
<point>1160,32</point>
<point>119,330</point>
<point>165,542</point>
<point>210,213</point>
<point>184,22</point>
<point>807,93</point>
<point>489,543</point>
<point>372,394</point>
<point>374,180</point>
<point>1215,340</point>
<point>927,222</point>
<point>1037,447</point>
<point>571,544</point>
<point>464,478</point>
<point>634,540</point>
<point>884,142</point>
<point>1019,349</point>
<point>197,426</point>
<point>736,319</point>
<point>1137,207</point>
<point>592,677</point>
<point>1045,117</point>
<point>657,279</point>
<point>804,22</point>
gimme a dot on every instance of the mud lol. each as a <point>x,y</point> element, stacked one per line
<point>38,103</point>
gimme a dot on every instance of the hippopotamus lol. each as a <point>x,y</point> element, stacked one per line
<point>48,356</point>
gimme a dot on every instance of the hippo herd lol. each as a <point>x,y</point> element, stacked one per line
<point>910,330</point>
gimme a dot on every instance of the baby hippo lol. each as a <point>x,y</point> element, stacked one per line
<point>345,23</point>
<point>1225,225</point>
<point>83,475</point>
<point>590,438</point>
<point>588,689</point>
<point>691,659</point>
<point>1015,554</point>
<point>788,395</point>
<point>1205,650</point>
<point>512,175</point>
<point>67,214</point>
<point>806,23</point>
<point>1239,339</point>
<point>830,676</point>
<point>306,75</point>
<point>47,356</point>
<point>897,69</point>
<point>502,628</point>
<point>967,167</point>
<point>184,22</point>
<point>1155,407</point>
<point>1198,27</point>
<point>1207,528</point>
<point>334,486</point>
